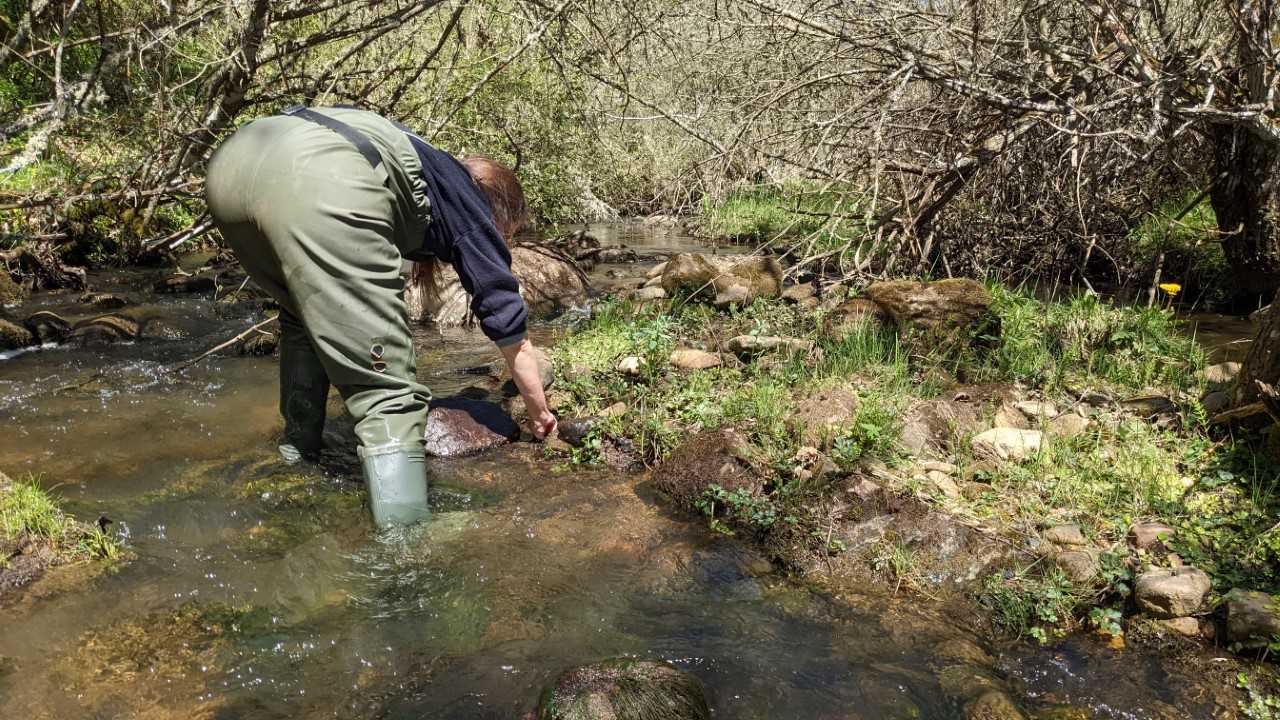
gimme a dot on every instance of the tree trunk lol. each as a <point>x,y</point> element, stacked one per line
<point>1263,361</point>
<point>1246,193</point>
<point>1246,200</point>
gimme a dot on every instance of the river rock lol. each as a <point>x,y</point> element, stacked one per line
<point>819,418</point>
<point>1037,410</point>
<point>48,327</point>
<point>1065,535</point>
<point>726,278</point>
<point>1010,444</point>
<point>1171,592</point>
<point>714,457</point>
<point>755,344</point>
<point>693,359</point>
<point>942,483</point>
<point>993,705</point>
<point>11,292</point>
<point>1221,375</point>
<point>103,330</point>
<point>260,344</point>
<point>176,284</point>
<point>1081,566</point>
<point>549,281</point>
<point>1253,617</point>
<point>943,305</point>
<point>1068,425</point>
<point>1184,626</point>
<point>624,689</point>
<point>1149,535</point>
<point>655,272</point>
<point>631,365</point>
<point>853,315</point>
<point>647,294</point>
<point>14,336</point>
<point>1215,401</point>
<point>800,293</point>
<point>1149,406</point>
<point>103,301</point>
<point>461,426</point>
<point>1008,416</point>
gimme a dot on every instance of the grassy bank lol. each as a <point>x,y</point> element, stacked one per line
<point>1220,494</point>
<point>32,521</point>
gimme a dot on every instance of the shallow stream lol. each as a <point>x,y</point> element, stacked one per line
<point>257,590</point>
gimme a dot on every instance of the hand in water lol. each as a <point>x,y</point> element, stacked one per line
<point>543,426</point>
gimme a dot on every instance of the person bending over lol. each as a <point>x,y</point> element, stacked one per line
<point>322,206</point>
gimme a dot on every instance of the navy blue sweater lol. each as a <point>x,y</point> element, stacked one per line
<point>462,233</point>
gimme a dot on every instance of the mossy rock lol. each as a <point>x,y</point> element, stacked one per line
<point>625,689</point>
<point>13,336</point>
<point>715,457</point>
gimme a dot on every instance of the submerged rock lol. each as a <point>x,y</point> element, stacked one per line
<point>460,426</point>
<point>14,336</point>
<point>103,301</point>
<point>260,344</point>
<point>1253,617</point>
<point>177,284</point>
<point>48,327</point>
<point>1171,592</point>
<point>993,705</point>
<point>625,689</point>
<point>944,305</point>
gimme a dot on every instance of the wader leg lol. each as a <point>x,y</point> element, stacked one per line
<point>304,391</point>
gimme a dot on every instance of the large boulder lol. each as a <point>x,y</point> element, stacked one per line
<point>937,307</point>
<point>728,279</point>
<point>104,330</point>
<point>48,327</point>
<point>625,689</point>
<point>14,336</point>
<point>462,426</point>
<point>1253,617</point>
<point>715,457</point>
<point>1171,592</point>
<point>549,281</point>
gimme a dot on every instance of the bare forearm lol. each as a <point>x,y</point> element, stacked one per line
<point>523,364</point>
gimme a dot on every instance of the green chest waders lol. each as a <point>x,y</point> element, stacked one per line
<point>323,231</point>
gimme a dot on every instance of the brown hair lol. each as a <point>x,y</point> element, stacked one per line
<point>506,201</point>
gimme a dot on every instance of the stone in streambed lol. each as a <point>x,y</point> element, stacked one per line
<point>103,330</point>
<point>693,359</point>
<point>624,689</point>
<point>993,705</point>
<point>103,301</point>
<point>460,426</point>
<point>1172,592</point>
<point>184,284</point>
<point>10,291</point>
<point>48,327</point>
<point>1253,617</point>
<point>729,279</point>
<point>14,336</point>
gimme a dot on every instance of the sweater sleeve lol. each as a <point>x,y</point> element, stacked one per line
<point>483,262</point>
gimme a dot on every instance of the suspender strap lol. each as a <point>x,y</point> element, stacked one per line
<point>353,136</point>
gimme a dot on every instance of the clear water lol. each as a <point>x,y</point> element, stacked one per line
<point>261,591</point>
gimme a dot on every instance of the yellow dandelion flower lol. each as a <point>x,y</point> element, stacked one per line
<point>1171,289</point>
